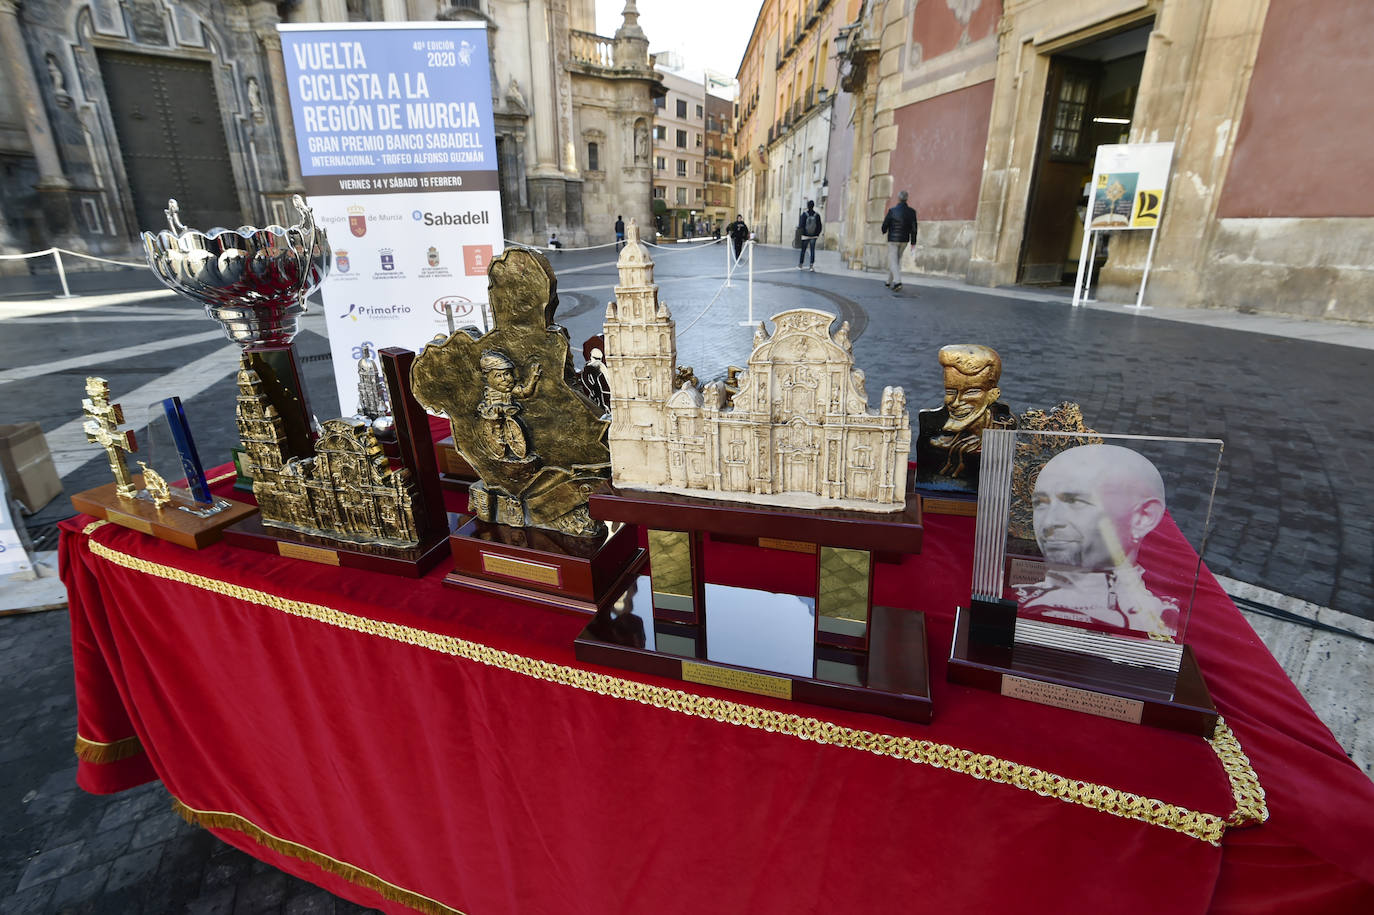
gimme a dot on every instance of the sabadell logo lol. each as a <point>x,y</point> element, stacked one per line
<point>452,219</point>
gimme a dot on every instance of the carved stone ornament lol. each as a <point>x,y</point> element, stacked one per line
<point>517,408</point>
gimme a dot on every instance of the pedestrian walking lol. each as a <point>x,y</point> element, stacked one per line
<point>739,234</point>
<point>809,225</point>
<point>900,226</point>
<point>619,233</point>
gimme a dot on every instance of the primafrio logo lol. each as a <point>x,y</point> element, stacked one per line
<point>357,220</point>
<point>341,260</point>
<point>375,312</point>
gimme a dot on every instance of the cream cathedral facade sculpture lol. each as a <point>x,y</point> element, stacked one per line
<point>796,432</point>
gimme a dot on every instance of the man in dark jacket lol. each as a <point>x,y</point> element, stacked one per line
<point>739,234</point>
<point>900,226</point>
<point>809,227</point>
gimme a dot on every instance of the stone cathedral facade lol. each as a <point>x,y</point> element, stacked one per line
<point>796,430</point>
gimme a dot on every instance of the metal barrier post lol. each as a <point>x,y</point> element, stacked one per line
<point>749,249</point>
<point>62,275</point>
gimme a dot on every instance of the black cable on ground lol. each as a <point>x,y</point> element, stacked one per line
<point>1288,616</point>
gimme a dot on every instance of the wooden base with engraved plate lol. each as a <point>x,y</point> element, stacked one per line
<point>824,642</point>
<point>985,655</point>
<point>409,562</point>
<point>193,526</point>
<point>889,678</point>
<point>545,567</point>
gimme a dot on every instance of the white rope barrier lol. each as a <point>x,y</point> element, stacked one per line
<point>61,271</point>
<point>106,260</point>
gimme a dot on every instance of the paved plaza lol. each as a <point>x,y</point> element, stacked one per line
<point>1293,516</point>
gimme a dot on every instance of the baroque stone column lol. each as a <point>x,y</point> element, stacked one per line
<point>53,187</point>
<point>281,105</point>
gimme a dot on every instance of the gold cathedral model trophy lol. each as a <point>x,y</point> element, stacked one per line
<point>327,493</point>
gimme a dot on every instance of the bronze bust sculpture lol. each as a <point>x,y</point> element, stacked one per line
<point>949,446</point>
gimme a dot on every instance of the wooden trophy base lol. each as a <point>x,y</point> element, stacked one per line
<point>1082,682</point>
<point>169,523</point>
<point>891,678</point>
<point>411,562</point>
<point>455,473</point>
<point>944,502</point>
<point>581,574</point>
<point>890,532</point>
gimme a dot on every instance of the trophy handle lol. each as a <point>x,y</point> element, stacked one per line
<point>173,214</point>
<point>307,225</point>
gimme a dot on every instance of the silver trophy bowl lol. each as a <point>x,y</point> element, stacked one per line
<point>254,282</point>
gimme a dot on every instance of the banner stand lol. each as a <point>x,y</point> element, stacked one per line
<point>1127,194</point>
<point>1082,285</point>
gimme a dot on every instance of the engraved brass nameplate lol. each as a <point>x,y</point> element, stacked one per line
<point>1078,700</point>
<point>792,546</point>
<point>742,680</point>
<point>965,508</point>
<point>1025,571</point>
<point>133,522</point>
<point>522,569</point>
<point>309,553</point>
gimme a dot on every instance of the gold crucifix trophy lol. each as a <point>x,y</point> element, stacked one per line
<point>103,420</point>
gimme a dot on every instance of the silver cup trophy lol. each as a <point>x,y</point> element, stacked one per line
<point>254,282</point>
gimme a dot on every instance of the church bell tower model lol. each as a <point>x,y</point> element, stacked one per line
<point>641,353</point>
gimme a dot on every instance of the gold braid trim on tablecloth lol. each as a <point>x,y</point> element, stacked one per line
<point>97,751</point>
<point>1205,827</point>
<point>218,819</point>
<point>1251,809</point>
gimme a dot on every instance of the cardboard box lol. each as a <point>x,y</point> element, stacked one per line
<point>27,465</point>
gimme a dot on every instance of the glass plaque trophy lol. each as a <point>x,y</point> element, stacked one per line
<point>172,455</point>
<point>1086,566</point>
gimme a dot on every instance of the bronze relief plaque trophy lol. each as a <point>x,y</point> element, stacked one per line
<point>789,450</point>
<point>1086,565</point>
<point>522,421</point>
<point>326,493</point>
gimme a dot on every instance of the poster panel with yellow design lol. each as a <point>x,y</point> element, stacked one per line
<point>1128,185</point>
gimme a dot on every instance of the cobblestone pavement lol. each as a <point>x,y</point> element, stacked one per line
<point>1295,510</point>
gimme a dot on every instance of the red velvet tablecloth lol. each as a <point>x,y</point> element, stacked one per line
<point>410,746</point>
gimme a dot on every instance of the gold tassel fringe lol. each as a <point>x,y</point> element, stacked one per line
<point>94,751</point>
<point>216,819</point>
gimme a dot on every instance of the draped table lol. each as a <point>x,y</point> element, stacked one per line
<point>413,747</point>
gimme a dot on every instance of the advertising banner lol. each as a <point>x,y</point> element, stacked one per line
<point>1128,185</point>
<point>398,154</point>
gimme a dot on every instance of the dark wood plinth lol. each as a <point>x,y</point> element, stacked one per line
<point>451,461</point>
<point>581,574</point>
<point>891,678</point>
<point>948,502</point>
<point>794,546</point>
<point>411,562</point>
<point>170,523</point>
<point>891,532</point>
<point>1082,682</point>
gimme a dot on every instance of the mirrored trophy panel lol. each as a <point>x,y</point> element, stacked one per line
<point>1086,563</point>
